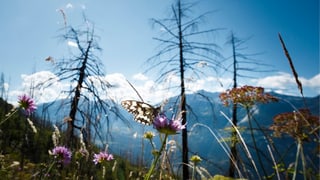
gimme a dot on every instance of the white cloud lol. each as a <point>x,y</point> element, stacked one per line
<point>36,84</point>
<point>5,86</point>
<point>120,86</point>
<point>142,86</point>
<point>37,78</point>
<point>280,82</point>
<point>162,29</point>
<point>153,92</point>
<point>140,76</point>
<point>314,82</point>
<point>210,83</point>
<point>69,6</point>
<point>72,44</point>
<point>285,83</point>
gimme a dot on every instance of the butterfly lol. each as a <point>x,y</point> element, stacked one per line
<point>143,113</point>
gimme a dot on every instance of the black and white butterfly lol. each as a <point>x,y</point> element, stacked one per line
<point>143,113</point>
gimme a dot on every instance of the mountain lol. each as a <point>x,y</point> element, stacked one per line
<point>208,144</point>
<point>207,127</point>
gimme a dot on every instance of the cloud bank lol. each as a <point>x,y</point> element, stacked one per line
<point>284,83</point>
<point>152,92</point>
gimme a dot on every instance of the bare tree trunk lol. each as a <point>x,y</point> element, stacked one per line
<point>185,169</point>
<point>185,54</point>
<point>233,147</point>
<point>76,99</point>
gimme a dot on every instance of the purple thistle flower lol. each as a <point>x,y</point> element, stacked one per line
<point>176,125</point>
<point>27,104</point>
<point>161,121</point>
<point>166,126</point>
<point>101,157</point>
<point>63,154</point>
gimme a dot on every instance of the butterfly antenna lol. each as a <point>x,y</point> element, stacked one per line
<point>135,90</point>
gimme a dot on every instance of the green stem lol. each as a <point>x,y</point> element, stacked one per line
<point>156,159</point>
<point>193,171</point>
<point>297,161</point>
<point>303,161</point>
<point>47,173</point>
<point>255,143</point>
<point>152,144</point>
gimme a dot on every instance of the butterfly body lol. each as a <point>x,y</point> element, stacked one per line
<point>143,113</point>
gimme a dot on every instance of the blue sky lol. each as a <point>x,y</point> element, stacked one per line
<point>30,29</point>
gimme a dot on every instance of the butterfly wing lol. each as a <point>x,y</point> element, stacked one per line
<point>143,112</point>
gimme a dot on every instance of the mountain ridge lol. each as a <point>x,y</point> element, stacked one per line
<point>206,121</point>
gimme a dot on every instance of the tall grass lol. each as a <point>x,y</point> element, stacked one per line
<point>313,124</point>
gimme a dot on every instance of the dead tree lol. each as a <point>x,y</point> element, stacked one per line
<point>84,72</point>
<point>181,54</point>
<point>241,64</point>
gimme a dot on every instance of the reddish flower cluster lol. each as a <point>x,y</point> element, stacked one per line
<point>246,96</point>
<point>299,125</point>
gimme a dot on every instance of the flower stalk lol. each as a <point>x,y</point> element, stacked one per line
<point>167,127</point>
<point>156,159</point>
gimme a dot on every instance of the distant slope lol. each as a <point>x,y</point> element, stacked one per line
<point>204,108</point>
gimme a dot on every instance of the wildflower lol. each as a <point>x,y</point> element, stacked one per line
<point>161,121</point>
<point>101,157</point>
<point>299,124</point>
<point>176,125</point>
<point>166,126</point>
<point>62,153</point>
<point>246,96</point>
<point>195,159</point>
<point>27,104</point>
<point>148,135</point>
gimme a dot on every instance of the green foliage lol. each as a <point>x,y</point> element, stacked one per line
<point>38,163</point>
<point>220,177</point>
<point>15,129</point>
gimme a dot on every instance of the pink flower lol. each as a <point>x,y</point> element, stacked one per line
<point>101,157</point>
<point>27,104</point>
<point>166,126</point>
<point>177,125</point>
<point>161,121</point>
<point>63,154</point>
